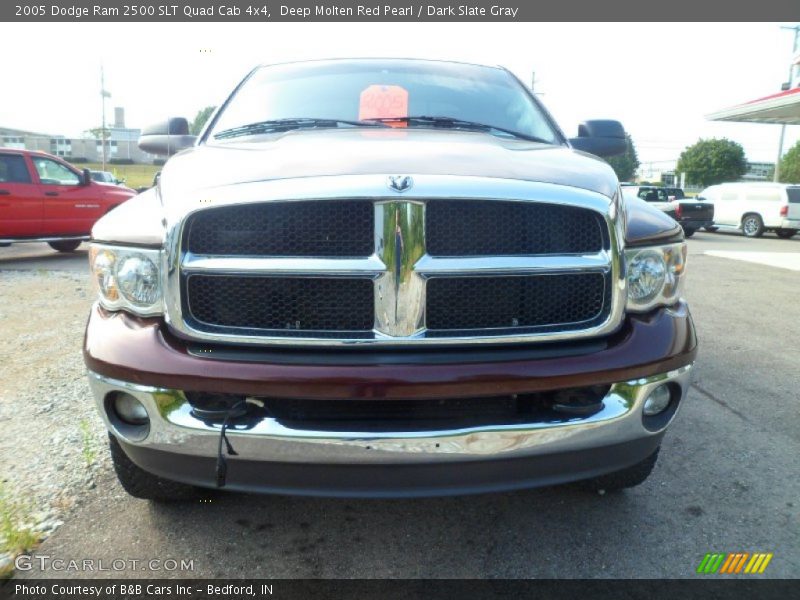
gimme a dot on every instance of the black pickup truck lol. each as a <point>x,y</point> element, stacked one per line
<point>690,214</point>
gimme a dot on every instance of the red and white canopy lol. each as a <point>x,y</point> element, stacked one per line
<point>781,108</point>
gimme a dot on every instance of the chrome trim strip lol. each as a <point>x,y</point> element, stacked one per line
<point>174,429</point>
<point>325,267</point>
<point>399,266</point>
<point>429,266</point>
<point>61,238</point>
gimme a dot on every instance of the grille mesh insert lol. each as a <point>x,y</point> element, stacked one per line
<point>285,305</point>
<point>497,228</point>
<point>308,228</point>
<point>522,302</point>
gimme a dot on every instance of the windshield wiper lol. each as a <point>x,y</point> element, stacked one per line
<point>275,125</point>
<point>453,123</point>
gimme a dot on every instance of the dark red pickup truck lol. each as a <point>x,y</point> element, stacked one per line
<point>44,199</point>
<point>320,298</point>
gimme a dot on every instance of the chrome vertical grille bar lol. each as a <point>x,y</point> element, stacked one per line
<point>400,290</point>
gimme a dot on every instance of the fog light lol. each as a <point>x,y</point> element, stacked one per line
<point>130,410</point>
<point>657,401</point>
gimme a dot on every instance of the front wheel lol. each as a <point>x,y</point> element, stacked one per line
<point>65,245</point>
<point>141,484</point>
<point>785,234</point>
<point>626,478</point>
<point>753,226</point>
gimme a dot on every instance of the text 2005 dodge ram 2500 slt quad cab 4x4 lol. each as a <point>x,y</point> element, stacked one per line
<point>381,278</point>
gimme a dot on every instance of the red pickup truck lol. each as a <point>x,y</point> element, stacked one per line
<point>44,199</point>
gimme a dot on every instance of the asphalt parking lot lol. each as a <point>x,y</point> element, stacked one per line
<point>726,480</point>
<point>29,257</point>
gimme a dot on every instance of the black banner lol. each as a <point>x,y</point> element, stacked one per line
<point>141,589</point>
<point>394,10</point>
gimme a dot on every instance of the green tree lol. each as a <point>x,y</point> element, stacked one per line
<point>99,133</point>
<point>713,161</point>
<point>200,119</point>
<point>790,165</point>
<point>102,134</point>
<point>625,164</point>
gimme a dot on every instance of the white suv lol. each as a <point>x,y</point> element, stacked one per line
<point>755,207</point>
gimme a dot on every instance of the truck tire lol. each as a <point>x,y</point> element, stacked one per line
<point>626,478</point>
<point>65,245</point>
<point>688,232</point>
<point>785,234</point>
<point>752,225</point>
<point>141,484</point>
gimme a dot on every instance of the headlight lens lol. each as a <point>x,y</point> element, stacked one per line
<point>138,280</point>
<point>655,276</point>
<point>127,278</point>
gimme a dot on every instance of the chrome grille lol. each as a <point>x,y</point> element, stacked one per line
<point>400,291</point>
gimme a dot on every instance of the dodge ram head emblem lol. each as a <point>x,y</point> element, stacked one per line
<point>400,183</point>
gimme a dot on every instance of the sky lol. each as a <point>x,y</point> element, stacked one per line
<point>658,79</point>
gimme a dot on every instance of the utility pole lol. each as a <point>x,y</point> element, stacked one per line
<point>534,83</point>
<point>776,177</point>
<point>103,94</point>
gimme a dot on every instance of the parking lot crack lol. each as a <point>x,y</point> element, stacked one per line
<point>721,402</point>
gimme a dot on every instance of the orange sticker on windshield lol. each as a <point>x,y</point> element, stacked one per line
<point>384,102</point>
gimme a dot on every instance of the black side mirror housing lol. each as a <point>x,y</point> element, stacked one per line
<point>87,177</point>
<point>167,137</point>
<point>600,137</point>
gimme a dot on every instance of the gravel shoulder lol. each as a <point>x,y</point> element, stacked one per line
<point>53,443</point>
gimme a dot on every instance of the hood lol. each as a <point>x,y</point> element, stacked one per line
<point>116,187</point>
<point>330,152</point>
<point>646,225</point>
<point>111,190</point>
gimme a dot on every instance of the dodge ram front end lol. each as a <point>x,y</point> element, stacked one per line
<point>417,287</point>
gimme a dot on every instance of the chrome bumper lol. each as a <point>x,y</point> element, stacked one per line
<point>174,430</point>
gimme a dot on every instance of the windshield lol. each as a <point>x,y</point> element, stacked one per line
<point>101,176</point>
<point>386,89</point>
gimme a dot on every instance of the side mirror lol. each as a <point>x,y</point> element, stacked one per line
<point>600,137</point>
<point>87,177</point>
<point>167,138</point>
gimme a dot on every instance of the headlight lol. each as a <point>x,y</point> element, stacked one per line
<point>127,278</point>
<point>137,278</point>
<point>655,276</point>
